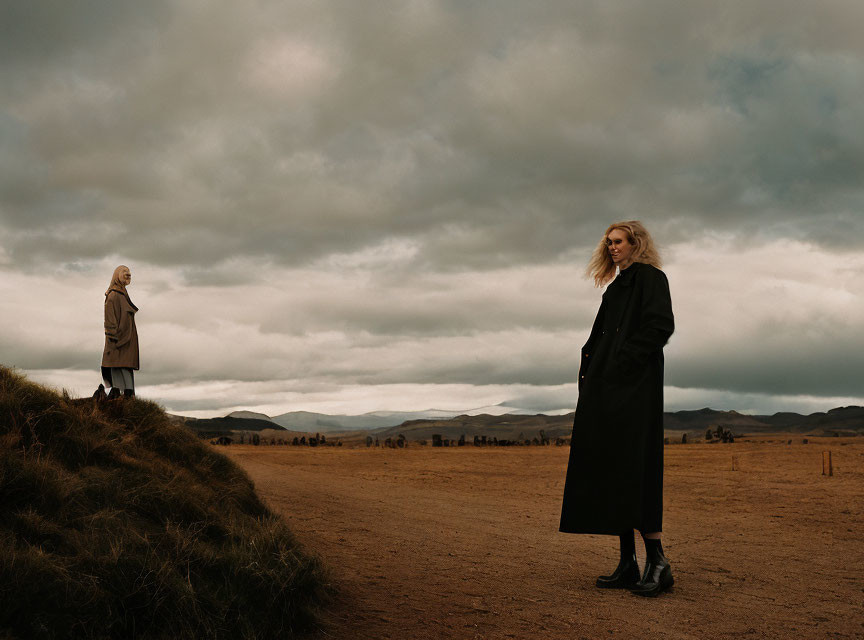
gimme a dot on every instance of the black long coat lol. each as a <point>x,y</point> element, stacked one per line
<point>615,471</point>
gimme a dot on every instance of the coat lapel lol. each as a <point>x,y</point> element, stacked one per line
<point>624,281</point>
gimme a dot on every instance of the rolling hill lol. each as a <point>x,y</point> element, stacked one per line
<point>116,522</point>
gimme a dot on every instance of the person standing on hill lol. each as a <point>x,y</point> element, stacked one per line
<point>120,357</point>
<point>614,480</point>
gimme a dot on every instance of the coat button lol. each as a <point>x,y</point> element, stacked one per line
<point>586,355</point>
<point>583,377</point>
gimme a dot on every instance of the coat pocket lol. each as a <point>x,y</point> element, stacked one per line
<point>619,370</point>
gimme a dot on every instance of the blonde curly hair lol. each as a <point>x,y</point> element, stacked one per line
<point>601,268</point>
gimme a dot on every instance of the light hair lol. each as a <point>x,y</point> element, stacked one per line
<point>601,268</point>
<point>117,280</point>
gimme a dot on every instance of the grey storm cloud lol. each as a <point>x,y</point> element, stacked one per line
<point>377,193</point>
<point>491,133</point>
<point>816,358</point>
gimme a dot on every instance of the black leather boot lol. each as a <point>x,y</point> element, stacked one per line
<point>128,393</point>
<point>657,576</point>
<point>114,393</point>
<point>626,575</point>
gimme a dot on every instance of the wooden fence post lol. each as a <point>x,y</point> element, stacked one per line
<point>827,466</point>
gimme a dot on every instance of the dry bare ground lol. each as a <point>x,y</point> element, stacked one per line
<point>463,542</point>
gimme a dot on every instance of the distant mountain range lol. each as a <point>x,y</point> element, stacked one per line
<point>839,419</point>
<point>324,423</point>
<point>510,422</point>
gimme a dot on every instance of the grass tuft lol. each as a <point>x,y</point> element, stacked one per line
<point>116,523</point>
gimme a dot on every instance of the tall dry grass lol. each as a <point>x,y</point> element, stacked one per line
<point>116,523</point>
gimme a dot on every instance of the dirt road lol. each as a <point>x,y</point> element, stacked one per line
<point>463,542</point>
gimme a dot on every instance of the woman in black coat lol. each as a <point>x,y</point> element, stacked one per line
<point>614,478</point>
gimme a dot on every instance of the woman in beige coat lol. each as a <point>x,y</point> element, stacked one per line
<point>120,357</point>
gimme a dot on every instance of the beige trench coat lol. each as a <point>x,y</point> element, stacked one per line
<point>121,336</point>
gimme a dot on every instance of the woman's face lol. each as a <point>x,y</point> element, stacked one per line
<point>620,249</point>
<point>126,276</point>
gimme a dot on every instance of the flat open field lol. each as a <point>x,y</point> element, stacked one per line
<point>463,542</point>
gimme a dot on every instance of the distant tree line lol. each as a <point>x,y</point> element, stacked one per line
<point>255,439</point>
<point>493,441</point>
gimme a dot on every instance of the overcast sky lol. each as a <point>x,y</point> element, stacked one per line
<point>350,206</point>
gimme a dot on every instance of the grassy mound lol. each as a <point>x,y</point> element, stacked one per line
<point>114,523</point>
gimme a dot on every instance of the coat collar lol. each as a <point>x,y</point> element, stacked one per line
<point>123,293</point>
<point>625,278</point>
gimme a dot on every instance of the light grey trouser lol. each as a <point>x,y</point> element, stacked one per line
<point>122,378</point>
